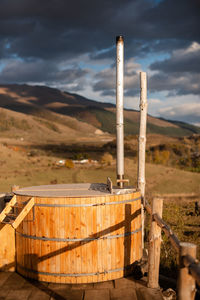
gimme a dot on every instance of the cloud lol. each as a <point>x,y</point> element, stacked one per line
<point>40,71</point>
<point>71,45</point>
<point>179,74</point>
<point>184,108</point>
<point>58,28</point>
<point>106,79</point>
<point>186,112</point>
<point>182,60</point>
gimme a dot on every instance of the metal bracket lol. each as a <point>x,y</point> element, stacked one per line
<point>123,180</point>
<point>116,190</point>
<point>110,185</point>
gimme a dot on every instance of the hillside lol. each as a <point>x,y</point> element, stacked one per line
<point>53,105</point>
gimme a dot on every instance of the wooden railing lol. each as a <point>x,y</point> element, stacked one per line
<point>189,267</point>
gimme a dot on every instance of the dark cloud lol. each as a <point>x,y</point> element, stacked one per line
<point>40,40</point>
<point>181,61</point>
<point>174,19</point>
<point>40,71</point>
<point>59,28</point>
<point>180,74</point>
<point>175,84</point>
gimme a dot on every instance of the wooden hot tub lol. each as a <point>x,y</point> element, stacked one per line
<point>78,233</point>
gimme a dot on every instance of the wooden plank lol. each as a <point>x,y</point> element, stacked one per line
<point>87,267</point>
<point>95,243</point>
<point>119,214</point>
<point>4,276</point>
<point>78,236</point>
<point>22,294</point>
<point>108,243</point>
<point>193,266</point>
<point>104,241</point>
<point>67,256</point>
<point>52,261</point>
<point>154,245</point>
<point>56,235</point>
<point>39,215</point>
<point>7,208</point>
<point>97,294</point>
<point>23,213</point>
<point>72,251</point>
<point>98,241</point>
<point>168,231</point>
<point>25,242</point>
<point>7,248</point>
<point>61,234</point>
<point>186,283</point>
<point>133,227</point>
<point>113,232</point>
<point>83,245</point>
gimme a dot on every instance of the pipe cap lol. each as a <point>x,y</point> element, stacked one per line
<point>119,38</point>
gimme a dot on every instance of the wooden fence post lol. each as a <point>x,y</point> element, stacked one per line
<point>154,245</point>
<point>186,285</point>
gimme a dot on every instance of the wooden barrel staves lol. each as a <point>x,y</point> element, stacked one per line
<point>78,233</point>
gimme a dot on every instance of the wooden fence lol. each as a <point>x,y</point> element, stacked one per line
<point>189,267</point>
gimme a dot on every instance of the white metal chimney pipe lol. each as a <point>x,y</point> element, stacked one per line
<point>119,108</point>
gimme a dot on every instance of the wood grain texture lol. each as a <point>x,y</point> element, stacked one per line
<point>186,284</point>
<point>7,248</point>
<point>154,245</point>
<point>43,255</point>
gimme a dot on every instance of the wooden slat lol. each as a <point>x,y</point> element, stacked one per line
<point>71,234</point>
<point>77,250</point>
<point>83,246</point>
<point>61,234</point>
<point>7,208</point>
<point>186,282</point>
<point>167,230</point>
<point>104,242</point>
<point>99,242</point>
<point>7,247</point>
<point>113,222</point>
<point>194,267</point>
<point>23,213</point>
<point>154,245</point>
<point>90,244</point>
<point>109,254</point>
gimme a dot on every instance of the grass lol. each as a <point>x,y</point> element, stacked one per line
<point>18,167</point>
<point>47,124</point>
<point>7,123</point>
<point>170,131</point>
<point>180,215</point>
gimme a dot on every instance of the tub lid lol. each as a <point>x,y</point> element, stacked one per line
<point>67,190</point>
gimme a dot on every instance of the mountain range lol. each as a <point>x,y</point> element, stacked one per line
<point>26,107</point>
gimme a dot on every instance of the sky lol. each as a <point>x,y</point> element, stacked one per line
<point>71,45</point>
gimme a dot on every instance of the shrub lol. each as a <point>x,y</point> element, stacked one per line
<point>69,164</point>
<point>107,159</point>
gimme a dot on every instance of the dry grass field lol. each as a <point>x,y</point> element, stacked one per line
<point>26,163</point>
